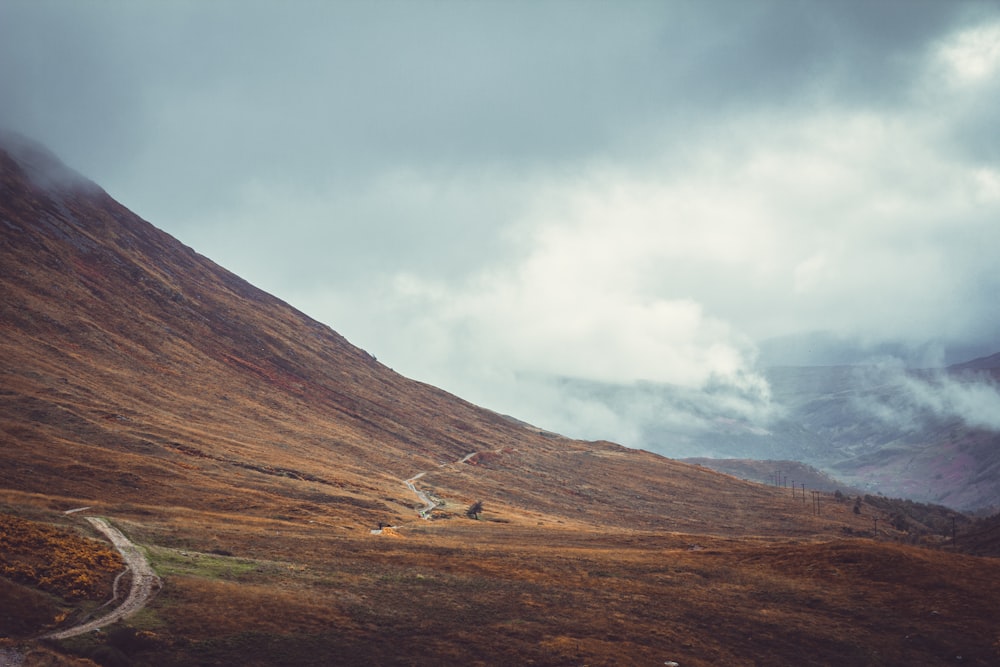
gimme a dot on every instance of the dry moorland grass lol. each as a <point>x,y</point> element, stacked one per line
<point>46,572</point>
<point>484,592</point>
<point>56,561</point>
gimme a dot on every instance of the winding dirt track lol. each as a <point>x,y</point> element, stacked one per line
<point>429,505</point>
<point>144,582</point>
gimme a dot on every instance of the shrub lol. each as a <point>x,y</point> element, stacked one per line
<point>475,509</point>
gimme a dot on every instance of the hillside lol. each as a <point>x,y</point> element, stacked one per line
<point>149,372</point>
<point>250,450</point>
<point>136,370</point>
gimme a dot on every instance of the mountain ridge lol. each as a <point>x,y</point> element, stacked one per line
<point>334,415</point>
<point>180,299</point>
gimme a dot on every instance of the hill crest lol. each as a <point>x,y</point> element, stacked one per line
<point>152,374</point>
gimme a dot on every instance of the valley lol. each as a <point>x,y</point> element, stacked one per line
<point>248,452</point>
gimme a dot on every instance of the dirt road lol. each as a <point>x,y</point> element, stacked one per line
<point>430,504</point>
<point>144,582</point>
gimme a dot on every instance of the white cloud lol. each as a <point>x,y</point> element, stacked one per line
<point>809,273</point>
<point>986,186</point>
<point>908,399</point>
<point>972,55</point>
<point>666,272</point>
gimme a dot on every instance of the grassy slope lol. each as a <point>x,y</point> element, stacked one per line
<point>505,590</point>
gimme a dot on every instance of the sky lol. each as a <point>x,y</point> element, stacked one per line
<point>517,201</point>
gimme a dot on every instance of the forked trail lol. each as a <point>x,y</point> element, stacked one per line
<point>429,504</point>
<point>144,582</point>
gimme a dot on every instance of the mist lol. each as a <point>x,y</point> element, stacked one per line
<point>908,399</point>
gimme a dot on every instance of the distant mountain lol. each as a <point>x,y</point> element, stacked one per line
<point>929,435</point>
<point>990,363</point>
<point>893,431</point>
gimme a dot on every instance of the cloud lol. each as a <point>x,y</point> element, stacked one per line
<point>668,270</point>
<point>972,56</point>
<point>849,222</point>
<point>909,399</point>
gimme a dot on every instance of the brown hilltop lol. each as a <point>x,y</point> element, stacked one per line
<point>250,448</point>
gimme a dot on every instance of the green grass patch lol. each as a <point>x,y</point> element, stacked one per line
<point>147,619</point>
<point>170,562</point>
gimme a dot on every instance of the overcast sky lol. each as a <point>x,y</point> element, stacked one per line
<point>497,197</point>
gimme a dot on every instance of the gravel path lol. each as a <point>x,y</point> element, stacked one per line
<point>144,582</point>
<point>429,504</point>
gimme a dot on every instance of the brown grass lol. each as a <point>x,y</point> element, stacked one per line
<point>481,592</point>
<point>54,560</point>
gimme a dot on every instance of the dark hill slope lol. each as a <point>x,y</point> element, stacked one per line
<point>134,367</point>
